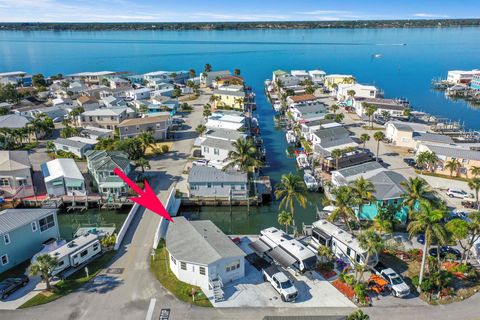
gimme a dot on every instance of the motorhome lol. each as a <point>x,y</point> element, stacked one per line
<point>285,250</point>
<point>74,253</point>
<point>343,244</point>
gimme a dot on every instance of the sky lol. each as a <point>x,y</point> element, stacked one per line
<point>244,10</point>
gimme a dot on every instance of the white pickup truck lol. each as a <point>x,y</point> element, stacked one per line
<point>281,283</point>
<point>397,286</point>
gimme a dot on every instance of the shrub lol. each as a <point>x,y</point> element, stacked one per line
<point>360,292</point>
<point>350,279</point>
<point>341,277</point>
<point>326,266</point>
<point>165,148</point>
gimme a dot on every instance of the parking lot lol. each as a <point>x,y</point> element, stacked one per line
<point>252,291</point>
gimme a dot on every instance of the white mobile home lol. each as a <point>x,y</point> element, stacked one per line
<point>284,249</point>
<point>76,252</point>
<point>62,177</point>
<point>343,244</point>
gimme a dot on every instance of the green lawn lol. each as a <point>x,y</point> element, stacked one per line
<point>74,282</point>
<point>181,290</point>
<point>433,174</point>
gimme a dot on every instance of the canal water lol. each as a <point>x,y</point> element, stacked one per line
<point>69,222</point>
<point>410,59</point>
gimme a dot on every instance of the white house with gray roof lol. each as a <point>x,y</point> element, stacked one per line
<point>72,145</point>
<point>62,177</point>
<point>224,134</point>
<point>347,175</point>
<point>15,174</point>
<point>210,182</point>
<point>23,233</point>
<point>201,254</point>
<point>216,150</point>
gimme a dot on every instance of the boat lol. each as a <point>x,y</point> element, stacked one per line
<point>291,138</point>
<point>302,161</point>
<point>376,55</point>
<point>277,107</point>
<point>310,181</point>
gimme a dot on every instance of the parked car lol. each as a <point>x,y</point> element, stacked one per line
<point>444,251</point>
<point>397,285</point>
<point>10,285</point>
<point>410,161</point>
<point>280,282</point>
<point>200,162</point>
<point>457,193</point>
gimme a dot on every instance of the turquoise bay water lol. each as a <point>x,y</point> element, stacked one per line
<point>403,71</point>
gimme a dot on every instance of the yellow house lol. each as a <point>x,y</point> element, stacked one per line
<point>467,159</point>
<point>230,97</point>
<point>335,79</point>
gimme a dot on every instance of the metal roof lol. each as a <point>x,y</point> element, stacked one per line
<point>202,174</point>
<point>218,143</point>
<point>432,137</point>
<point>360,169</point>
<point>107,160</point>
<point>224,134</point>
<point>229,93</point>
<point>70,143</point>
<point>12,219</point>
<point>13,121</point>
<point>200,242</point>
<point>333,133</point>
<point>455,152</point>
<point>61,168</point>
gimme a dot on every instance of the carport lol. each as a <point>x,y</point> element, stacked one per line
<point>259,246</point>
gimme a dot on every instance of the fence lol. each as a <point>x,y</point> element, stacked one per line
<point>126,224</point>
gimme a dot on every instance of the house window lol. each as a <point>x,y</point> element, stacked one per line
<point>34,226</point>
<point>46,223</point>
<point>4,182</point>
<point>126,129</point>
<point>216,151</point>
<point>6,238</point>
<point>232,266</point>
<point>138,128</point>
<point>183,266</point>
<point>22,182</point>
<point>202,270</point>
<point>349,251</point>
<point>205,149</point>
<point>242,187</point>
<point>209,185</point>
<point>4,259</point>
<point>173,260</point>
<point>95,247</point>
<point>158,126</point>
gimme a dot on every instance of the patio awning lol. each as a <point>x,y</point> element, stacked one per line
<point>282,257</point>
<point>259,246</point>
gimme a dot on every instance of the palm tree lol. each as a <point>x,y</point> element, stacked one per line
<point>244,155</point>
<point>325,252</point>
<point>474,184</point>
<point>363,190</point>
<point>343,200</point>
<point>416,190</point>
<point>372,243</point>
<point>365,137</point>
<point>143,164</point>
<point>358,315</point>
<point>475,170</point>
<point>208,67</point>
<point>427,159</point>
<point>200,129</point>
<point>290,189</point>
<point>378,136</point>
<point>386,218</point>
<point>427,221</point>
<point>452,165</point>
<point>285,218</point>
<point>369,111</point>
<point>337,154</point>
<point>50,146</point>
<point>239,101</point>
<point>339,117</point>
<point>192,73</point>
<point>146,139</point>
<point>44,266</point>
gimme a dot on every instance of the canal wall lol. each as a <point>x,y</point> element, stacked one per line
<point>126,224</point>
<point>171,205</point>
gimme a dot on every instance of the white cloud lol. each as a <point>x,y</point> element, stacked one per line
<point>429,15</point>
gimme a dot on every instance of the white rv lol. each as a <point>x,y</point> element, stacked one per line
<point>76,252</point>
<point>285,250</point>
<point>343,244</point>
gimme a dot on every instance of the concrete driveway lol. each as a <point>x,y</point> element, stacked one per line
<point>22,295</point>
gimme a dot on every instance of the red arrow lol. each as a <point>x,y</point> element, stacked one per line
<point>146,198</point>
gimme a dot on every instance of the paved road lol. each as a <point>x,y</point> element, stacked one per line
<point>132,292</point>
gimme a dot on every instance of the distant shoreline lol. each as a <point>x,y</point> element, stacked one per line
<point>266,25</point>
